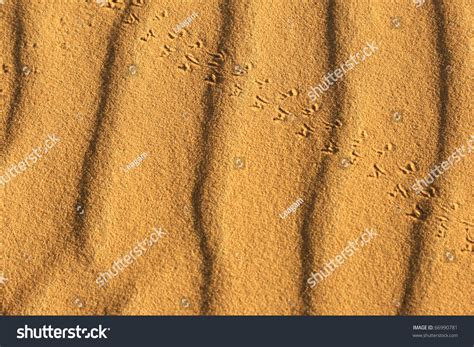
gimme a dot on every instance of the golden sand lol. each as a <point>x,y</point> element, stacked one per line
<point>193,118</point>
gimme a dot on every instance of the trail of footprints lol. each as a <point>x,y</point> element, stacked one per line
<point>190,55</point>
<point>450,220</point>
<point>121,5</point>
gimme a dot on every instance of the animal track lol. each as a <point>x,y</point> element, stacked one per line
<point>469,244</point>
<point>409,168</point>
<point>449,221</point>
<point>378,171</point>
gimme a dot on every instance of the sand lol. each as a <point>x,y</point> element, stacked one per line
<point>193,118</point>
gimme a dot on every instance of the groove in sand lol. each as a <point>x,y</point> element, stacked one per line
<point>418,233</point>
<point>19,39</point>
<point>211,104</point>
<point>321,178</point>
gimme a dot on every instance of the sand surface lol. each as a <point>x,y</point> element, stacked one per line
<point>189,123</point>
